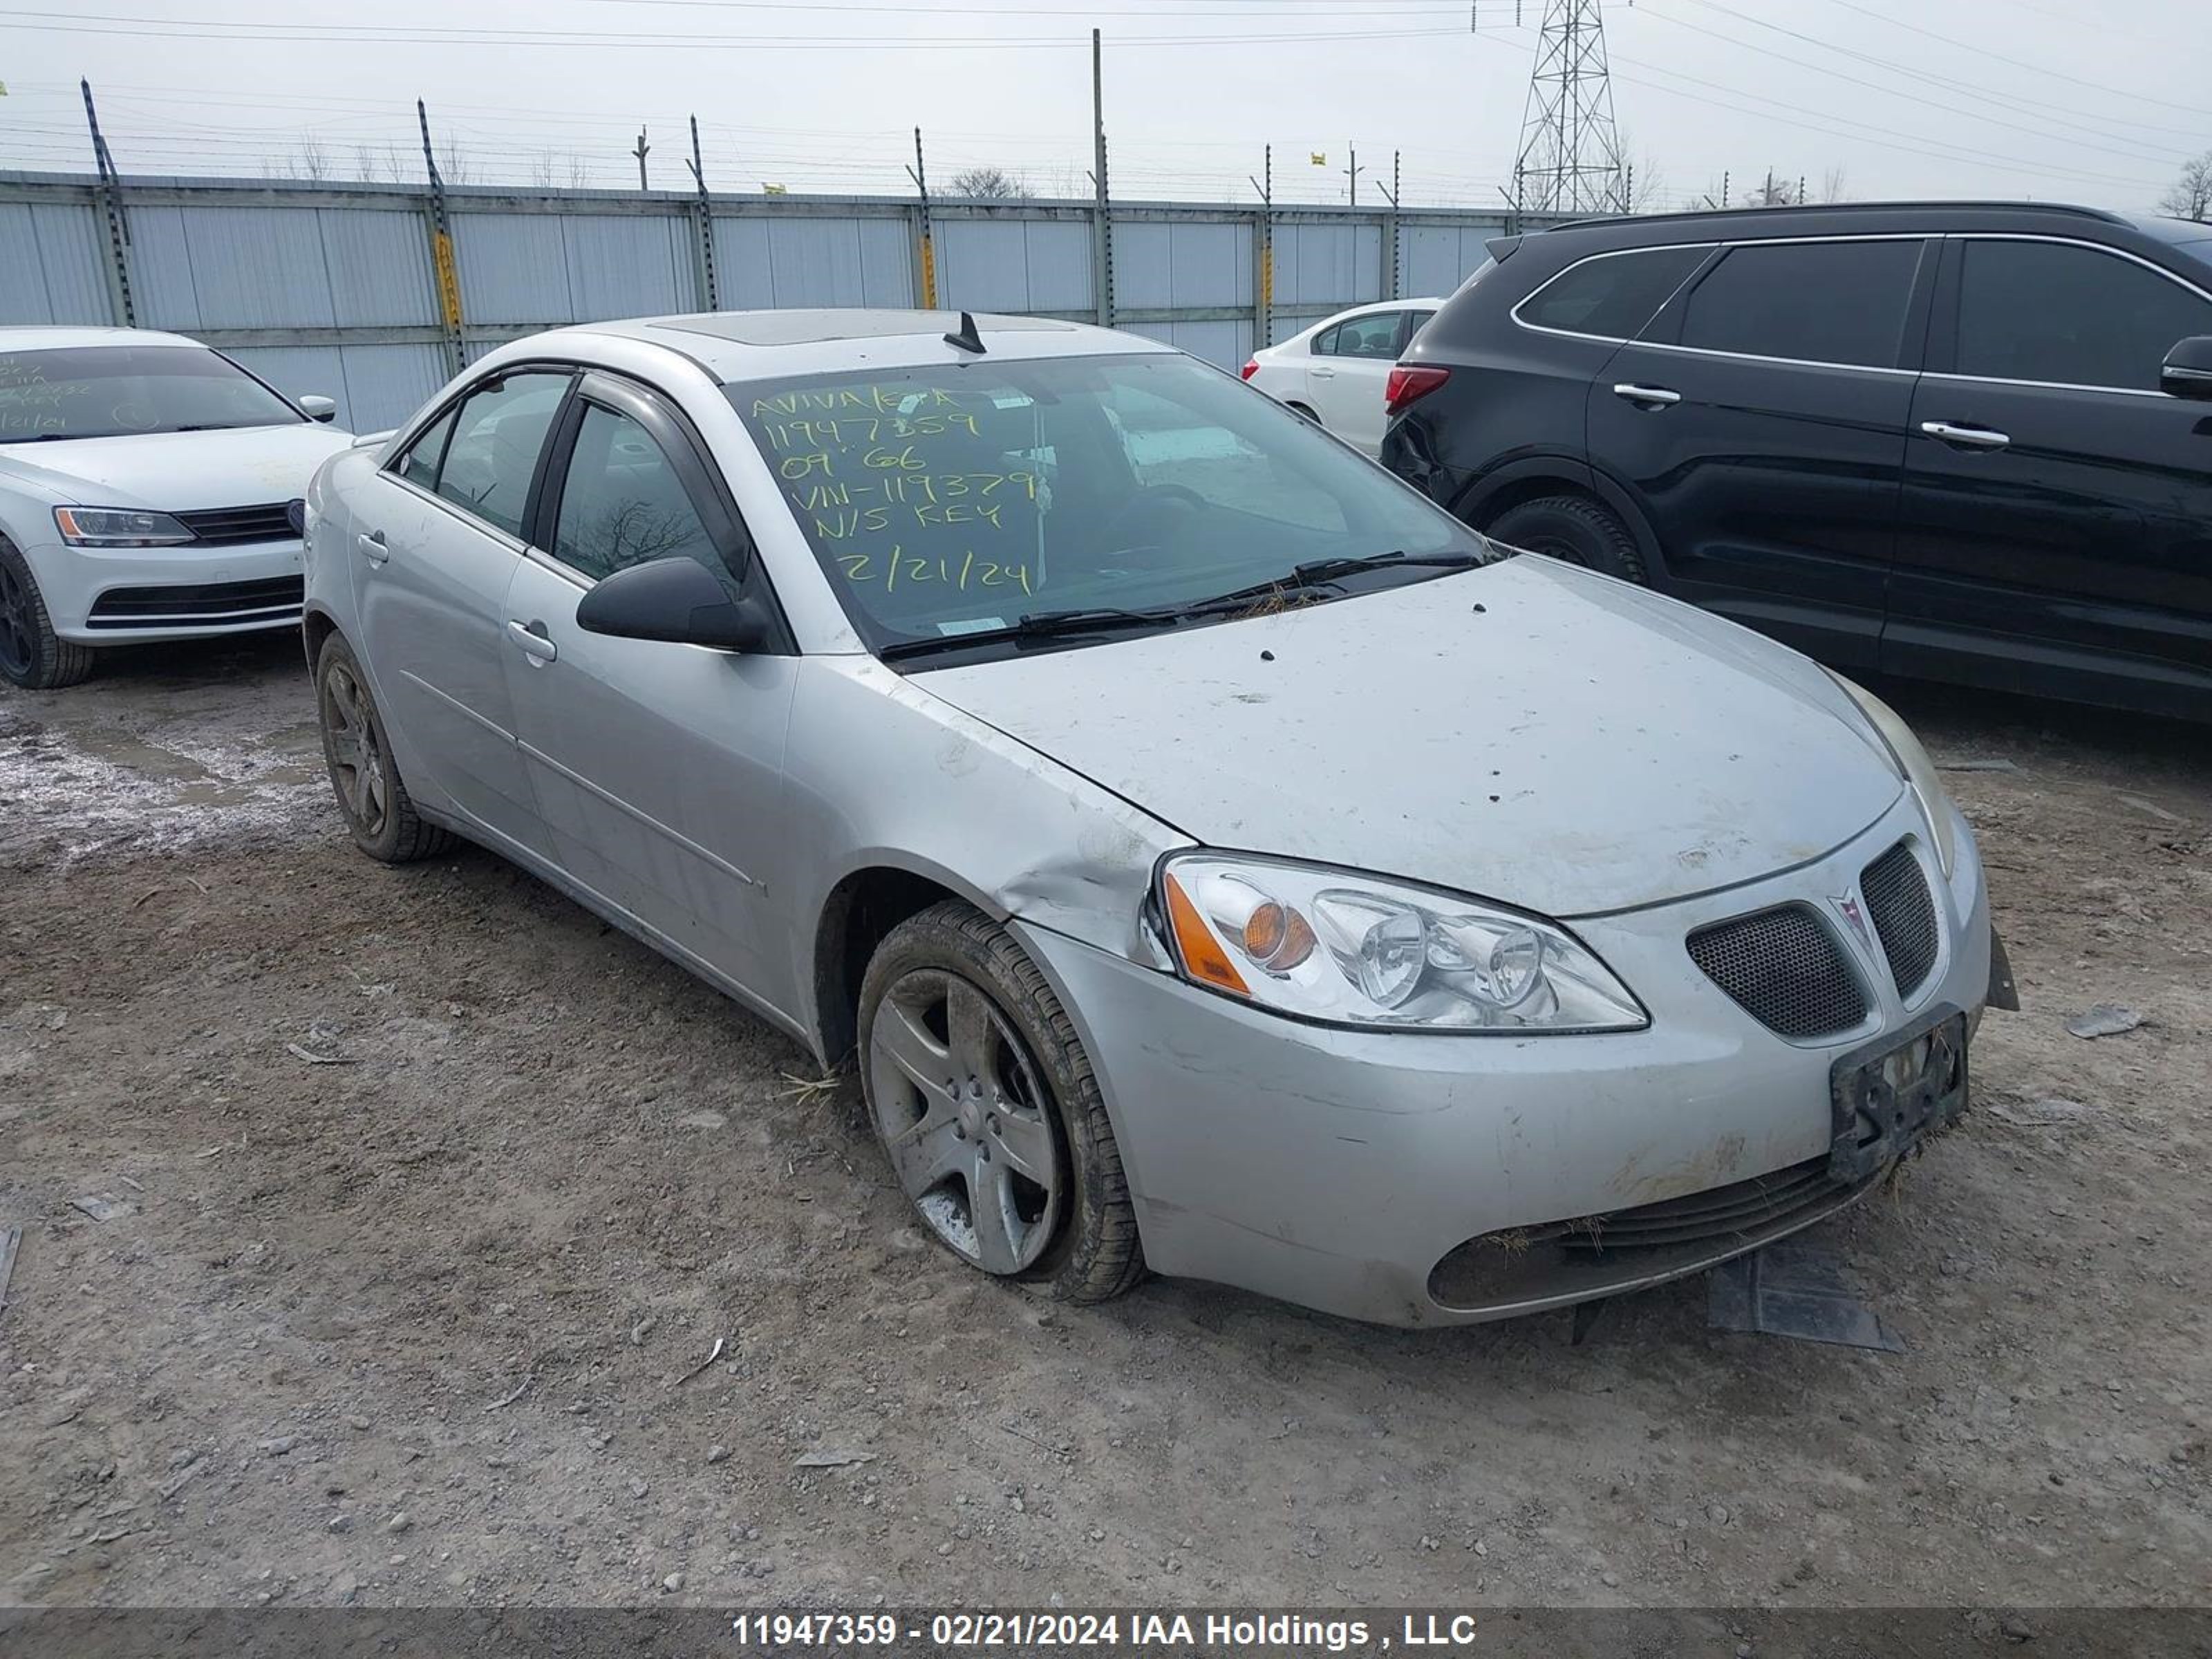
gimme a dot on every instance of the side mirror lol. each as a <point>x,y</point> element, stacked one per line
<point>2188,369</point>
<point>677,600</point>
<point>319,409</point>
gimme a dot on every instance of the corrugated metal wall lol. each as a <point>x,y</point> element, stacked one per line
<point>331,288</point>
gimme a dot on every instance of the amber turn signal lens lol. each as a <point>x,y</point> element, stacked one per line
<point>1277,938</point>
<point>1203,959</point>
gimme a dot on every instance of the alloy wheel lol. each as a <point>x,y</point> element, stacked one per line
<point>965,1121</point>
<point>18,628</point>
<point>357,763</point>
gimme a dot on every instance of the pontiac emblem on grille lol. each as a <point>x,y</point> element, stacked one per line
<point>1847,905</point>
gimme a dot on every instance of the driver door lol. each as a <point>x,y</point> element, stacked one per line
<point>657,767</point>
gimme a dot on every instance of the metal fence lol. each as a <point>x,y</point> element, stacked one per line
<point>375,295</point>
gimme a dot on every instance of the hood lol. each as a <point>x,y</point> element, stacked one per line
<point>1527,733</point>
<point>177,471</point>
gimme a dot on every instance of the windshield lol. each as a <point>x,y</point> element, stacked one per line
<point>960,498</point>
<point>107,392</point>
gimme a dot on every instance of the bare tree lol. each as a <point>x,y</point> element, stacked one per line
<point>541,169</point>
<point>1773,192</point>
<point>308,159</point>
<point>1832,187</point>
<point>580,173</point>
<point>2189,197</point>
<point>454,164</point>
<point>988,183</point>
<point>1646,181</point>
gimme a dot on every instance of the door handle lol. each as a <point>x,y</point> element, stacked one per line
<point>1323,373</point>
<point>1650,396</point>
<point>531,637</point>
<point>1965,437</point>
<point>371,547</point>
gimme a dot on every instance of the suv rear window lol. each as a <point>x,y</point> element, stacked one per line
<point>1612,294</point>
<point>1814,302</point>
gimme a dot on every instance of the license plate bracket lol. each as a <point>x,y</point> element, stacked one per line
<point>1889,1095</point>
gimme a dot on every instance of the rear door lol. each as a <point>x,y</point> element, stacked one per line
<point>436,538</point>
<point>657,767</point>
<point>2057,533</point>
<point>1759,422</point>
<point>1350,369</point>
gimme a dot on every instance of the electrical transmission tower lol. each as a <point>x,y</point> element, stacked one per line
<point>1570,158</point>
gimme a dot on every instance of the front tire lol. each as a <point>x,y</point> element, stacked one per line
<point>988,1109</point>
<point>379,813</point>
<point>31,655</point>
<point>1574,528</point>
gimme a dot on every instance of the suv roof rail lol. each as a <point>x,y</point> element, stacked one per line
<point>2066,208</point>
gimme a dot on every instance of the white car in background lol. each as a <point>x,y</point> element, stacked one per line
<point>1333,373</point>
<point>145,484</point>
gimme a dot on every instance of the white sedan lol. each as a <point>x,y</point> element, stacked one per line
<point>144,484</point>
<point>1333,374</point>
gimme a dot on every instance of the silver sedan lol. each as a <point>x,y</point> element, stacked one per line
<point>1210,855</point>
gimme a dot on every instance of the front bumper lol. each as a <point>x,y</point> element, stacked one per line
<point>113,596</point>
<point>1345,1170</point>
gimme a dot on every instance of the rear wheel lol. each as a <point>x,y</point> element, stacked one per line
<point>31,655</point>
<point>1301,408</point>
<point>1574,528</point>
<point>989,1110</point>
<point>379,813</point>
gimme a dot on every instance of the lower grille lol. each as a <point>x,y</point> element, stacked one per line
<point>1904,913</point>
<point>1783,968</point>
<point>1614,1250</point>
<point>1744,1207</point>
<point>273,600</point>
<point>263,522</point>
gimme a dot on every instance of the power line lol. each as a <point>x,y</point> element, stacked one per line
<point>2135,155</point>
<point>1981,50</point>
<point>216,29</point>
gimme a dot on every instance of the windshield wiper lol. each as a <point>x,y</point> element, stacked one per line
<point>1039,625</point>
<point>1327,573</point>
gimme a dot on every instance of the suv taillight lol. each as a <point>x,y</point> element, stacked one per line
<point>1251,368</point>
<point>1409,383</point>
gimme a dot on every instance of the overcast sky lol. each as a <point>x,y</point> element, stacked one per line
<point>2094,100</point>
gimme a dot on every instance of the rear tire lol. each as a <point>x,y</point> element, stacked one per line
<point>379,813</point>
<point>965,1049</point>
<point>1301,410</point>
<point>31,655</point>
<point>1574,528</point>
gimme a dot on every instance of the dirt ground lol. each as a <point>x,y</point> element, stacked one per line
<point>430,1323</point>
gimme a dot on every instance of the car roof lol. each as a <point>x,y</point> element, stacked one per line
<point>1925,218</point>
<point>755,346</point>
<point>57,339</point>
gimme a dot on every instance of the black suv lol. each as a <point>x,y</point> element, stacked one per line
<point>1963,441</point>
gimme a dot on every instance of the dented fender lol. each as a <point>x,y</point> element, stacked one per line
<point>955,800</point>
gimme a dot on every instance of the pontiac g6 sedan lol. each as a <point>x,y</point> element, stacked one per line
<point>1212,856</point>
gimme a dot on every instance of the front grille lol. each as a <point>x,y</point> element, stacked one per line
<point>272,601</point>
<point>1783,968</point>
<point>264,523</point>
<point>1904,913</point>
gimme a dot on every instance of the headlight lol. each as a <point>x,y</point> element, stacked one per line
<point>1349,950</point>
<point>1918,770</point>
<point>117,527</point>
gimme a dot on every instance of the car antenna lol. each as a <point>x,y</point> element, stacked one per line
<point>968,339</point>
